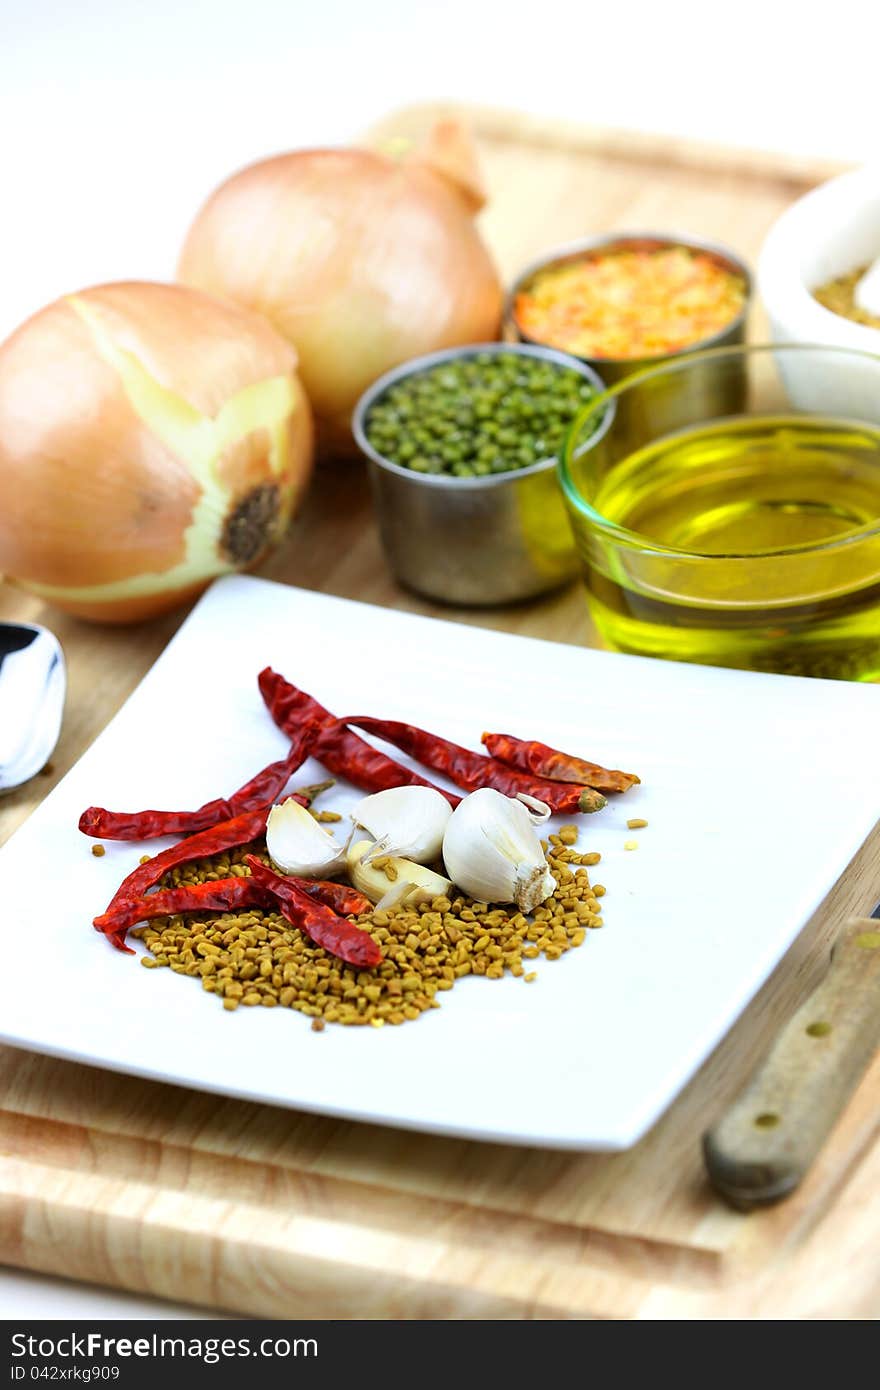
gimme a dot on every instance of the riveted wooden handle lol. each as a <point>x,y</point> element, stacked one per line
<point>762,1146</point>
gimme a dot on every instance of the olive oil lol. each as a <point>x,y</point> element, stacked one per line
<point>789,509</point>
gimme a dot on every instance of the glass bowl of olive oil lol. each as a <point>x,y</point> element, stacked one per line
<point>748,538</point>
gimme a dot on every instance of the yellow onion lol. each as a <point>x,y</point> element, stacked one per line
<point>359,259</point>
<point>151,438</point>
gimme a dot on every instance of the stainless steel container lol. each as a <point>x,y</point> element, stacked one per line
<point>614,369</point>
<point>472,541</point>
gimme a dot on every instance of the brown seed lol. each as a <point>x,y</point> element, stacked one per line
<point>258,959</point>
<point>98,851</point>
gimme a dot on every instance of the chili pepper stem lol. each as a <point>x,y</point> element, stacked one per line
<point>591,801</point>
<point>308,794</point>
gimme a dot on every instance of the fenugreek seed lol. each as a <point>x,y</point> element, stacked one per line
<point>257,958</point>
<point>636,823</point>
<point>148,962</point>
<point>377,1022</point>
<point>390,871</point>
<point>318,1023</point>
<point>568,834</point>
<point>98,851</point>
<point>630,844</point>
<point>598,890</point>
<point>145,859</point>
<point>592,858</point>
<point>230,1004</point>
<point>532,975</point>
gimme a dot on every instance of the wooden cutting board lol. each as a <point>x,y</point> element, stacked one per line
<point>241,1207</point>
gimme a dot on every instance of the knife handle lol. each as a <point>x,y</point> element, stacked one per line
<point>764,1143</point>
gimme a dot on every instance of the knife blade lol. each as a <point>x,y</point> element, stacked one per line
<point>762,1146</point>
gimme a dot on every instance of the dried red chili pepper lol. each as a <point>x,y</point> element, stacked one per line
<point>348,902</point>
<point>544,761</point>
<point>473,770</point>
<point>221,895</point>
<point>337,935</point>
<point>240,830</point>
<point>340,749</point>
<point>226,895</point>
<point>261,790</point>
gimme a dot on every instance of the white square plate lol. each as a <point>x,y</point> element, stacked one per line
<point>758,790</point>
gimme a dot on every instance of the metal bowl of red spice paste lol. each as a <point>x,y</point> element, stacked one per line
<point>624,301</point>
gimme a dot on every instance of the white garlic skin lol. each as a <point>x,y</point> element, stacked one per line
<point>299,845</point>
<point>491,851</point>
<point>407,821</point>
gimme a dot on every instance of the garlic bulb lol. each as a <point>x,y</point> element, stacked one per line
<point>491,851</point>
<point>367,873</point>
<point>406,821</point>
<point>299,845</point>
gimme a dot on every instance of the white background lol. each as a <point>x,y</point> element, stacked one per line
<point>117,117</point>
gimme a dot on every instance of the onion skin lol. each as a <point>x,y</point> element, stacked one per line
<point>151,438</point>
<point>360,261</point>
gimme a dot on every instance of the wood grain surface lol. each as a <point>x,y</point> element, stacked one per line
<point>241,1207</point>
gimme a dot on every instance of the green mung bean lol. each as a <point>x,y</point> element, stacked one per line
<point>475,416</point>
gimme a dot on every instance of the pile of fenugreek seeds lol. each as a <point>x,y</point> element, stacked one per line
<point>258,958</point>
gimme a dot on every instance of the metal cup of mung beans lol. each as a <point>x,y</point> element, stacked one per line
<point>464,476</point>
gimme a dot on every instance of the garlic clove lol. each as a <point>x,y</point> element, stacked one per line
<point>408,821</point>
<point>492,852</point>
<point>423,884</point>
<point>299,845</point>
<point>396,894</point>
